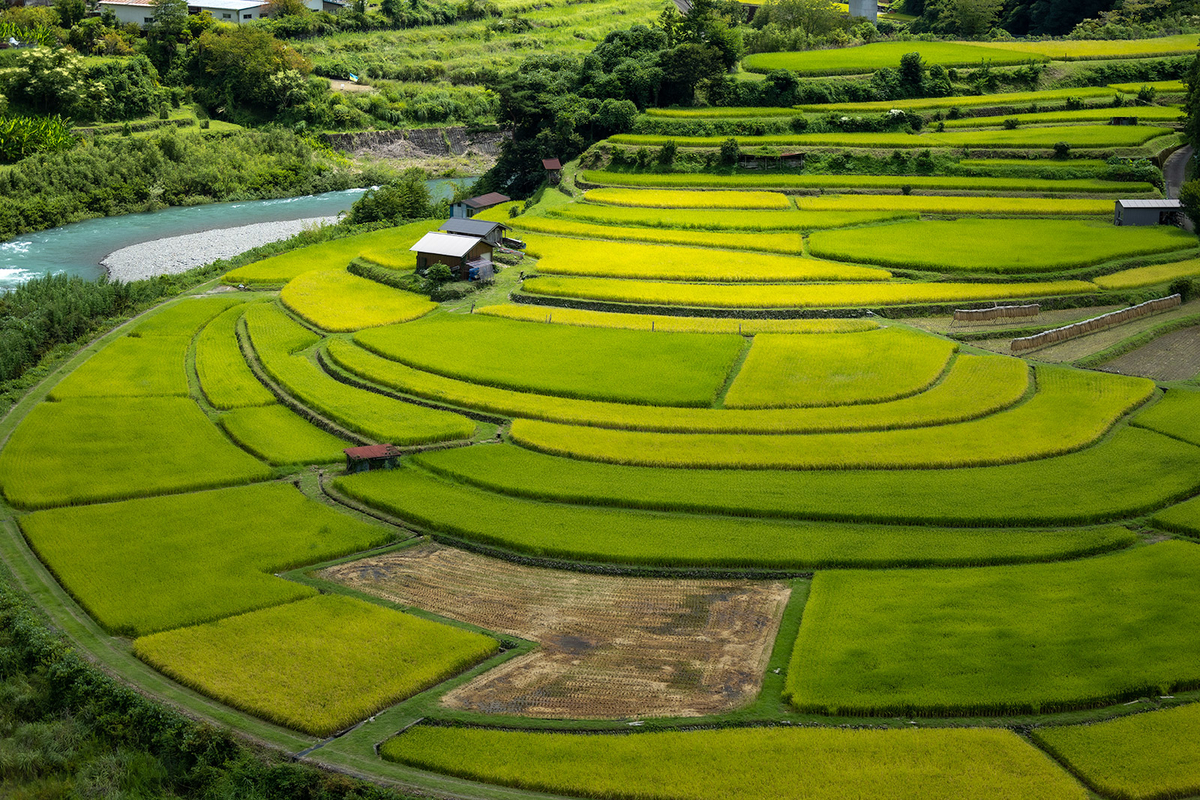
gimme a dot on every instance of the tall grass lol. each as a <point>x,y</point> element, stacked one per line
<point>1149,276</point>
<point>672,324</point>
<point>552,530</point>
<point>870,367</point>
<point>91,449</point>
<point>1070,410</point>
<point>140,566</point>
<point>1030,638</point>
<point>318,665</point>
<point>1131,472</point>
<point>563,256</point>
<point>1140,757</point>
<point>672,369</point>
<point>1078,136</point>
<point>335,300</point>
<point>957,206</point>
<point>870,57</point>
<point>744,763</point>
<point>375,416</point>
<point>793,295</point>
<point>759,201</point>
<point>387,247</point>
<point>279,436</point>
<point>702,220</point>
<point>975,386</point>
<point>824,182</point>
<point>1005,246</point>
<point>131,367</point>
<point>225,378</point>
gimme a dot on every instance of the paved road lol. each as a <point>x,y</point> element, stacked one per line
<point>1173,172</point>
<point>1174,169</point>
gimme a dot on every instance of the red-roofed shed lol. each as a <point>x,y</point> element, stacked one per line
<point>551,163</point>
<point>553,169</point>
<point>372,456</point>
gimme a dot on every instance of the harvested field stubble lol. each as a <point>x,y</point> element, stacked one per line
<point>610,646</point>
<point>317,665</point>
<point>746,764</point>
<point>1029,638</point>
<point>1133,471</point>
<point>630,537</point>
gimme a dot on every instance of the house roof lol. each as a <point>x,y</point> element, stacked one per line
<point>551,163</point>
<point>1148,203</point>
<point>371,451</point>
<point>220,5</point>
<point>471,227</point>
<point>487,200</point>
<point>445,244</point>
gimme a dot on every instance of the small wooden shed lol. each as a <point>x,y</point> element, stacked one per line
<point>553,169</point>
<point>459,253</point>
<point>1146,212</point>
<point>369,457</point>
<point>472,206</point>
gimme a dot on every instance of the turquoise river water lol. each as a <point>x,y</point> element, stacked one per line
<point>79,247</point>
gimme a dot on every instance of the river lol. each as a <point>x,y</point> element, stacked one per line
<point>78,248</point>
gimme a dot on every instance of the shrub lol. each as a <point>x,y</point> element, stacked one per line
<point>730,152</point>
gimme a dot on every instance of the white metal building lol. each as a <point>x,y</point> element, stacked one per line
<point>1146,212</point>
<point>141,12</point>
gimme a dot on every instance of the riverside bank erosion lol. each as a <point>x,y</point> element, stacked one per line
<point>430,148</point>
<point>176,254</point>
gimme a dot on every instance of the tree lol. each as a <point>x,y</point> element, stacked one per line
<point>973,18</point>
<point>405,199</point>
<point>286,8</point>
<point>245,67</point>
<point>730,152</point>
<point>912,72</point>
<point>1191,104</point>
<point>165,33</point>
<point>392,9</point>
<point>70,12</point>
<point>814,17</point>
<point>1189,198</point>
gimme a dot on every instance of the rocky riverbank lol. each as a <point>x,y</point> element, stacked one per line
<point>180,253</point>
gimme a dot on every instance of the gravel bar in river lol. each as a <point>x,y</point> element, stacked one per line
<point>181,253</point>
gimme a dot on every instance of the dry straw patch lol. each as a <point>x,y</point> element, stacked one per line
<point>611,647</point>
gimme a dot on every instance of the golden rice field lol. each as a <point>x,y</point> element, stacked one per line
<point>793,295</point>
<point>338,301</point>
<point>984,567</point>
<point>565,256</point>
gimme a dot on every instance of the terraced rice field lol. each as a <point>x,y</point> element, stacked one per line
<point>692,464</point>
<point>611,647</point>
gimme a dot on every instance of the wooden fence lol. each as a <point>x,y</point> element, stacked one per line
<point>1095,324</point>
<point>999,312</point>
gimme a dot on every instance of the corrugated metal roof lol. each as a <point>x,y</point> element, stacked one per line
<point>471,227</point>
<point>551,163</point>
<point>372,451</point>
<point>1156,203</point>
<point>487,200</point>
<point>445,244</point>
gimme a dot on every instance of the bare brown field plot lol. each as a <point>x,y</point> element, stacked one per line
<point>1172,357</point>
<point>610,646</point>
